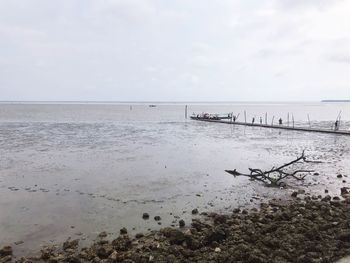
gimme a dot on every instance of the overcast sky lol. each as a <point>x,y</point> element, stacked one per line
<point>174,50</point>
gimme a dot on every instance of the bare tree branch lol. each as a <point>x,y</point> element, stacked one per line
<point>274,176</point>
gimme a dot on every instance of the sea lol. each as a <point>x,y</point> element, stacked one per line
<point>76,169</point>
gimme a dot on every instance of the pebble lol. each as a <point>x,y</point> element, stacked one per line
<point>103,234</point>
<point>139,235</point>
<point>123,231</point>
<point>145,216</point>
<point>6,251</point>
<point>217,250</point>
<point>182,223</point>
<point>195,211</point>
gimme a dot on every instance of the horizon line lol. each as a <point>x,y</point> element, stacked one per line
<point>165,101</point>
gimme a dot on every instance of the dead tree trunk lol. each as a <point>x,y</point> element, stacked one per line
<point>274,176</point>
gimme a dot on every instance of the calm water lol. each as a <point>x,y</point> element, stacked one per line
<point>79,169</point>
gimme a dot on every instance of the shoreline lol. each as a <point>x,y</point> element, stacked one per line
<point>304,229</point>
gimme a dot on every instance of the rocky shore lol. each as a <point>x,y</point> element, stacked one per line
<point>305,229</point>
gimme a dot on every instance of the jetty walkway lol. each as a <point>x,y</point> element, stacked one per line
<point>282,127</point>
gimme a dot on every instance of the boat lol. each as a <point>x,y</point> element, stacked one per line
<point>208,116</point>
<point>152,106</point>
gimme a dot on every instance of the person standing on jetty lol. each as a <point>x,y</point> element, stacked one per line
<point>280,121</point>
<point>260,120</point>
<point>336,125</point>
<point>253,120</point>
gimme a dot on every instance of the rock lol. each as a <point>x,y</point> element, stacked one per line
<point>19,242</point>
<point>347,200</point>
<point>7,258</point>
<point>157,218</point>
<point>114,255</point>
<point>344,190</point>
<point>70,244</point>
<point>337,198</point>
<point>103,251</point>
<point>326,191</point>
<point>217,250</point>
<point>216,234</point>
<point>121,243</point>
<point>73,259</point>
<point>236,210</point>
<point>301,191</point>
<point>139,235</point>
<point>327,198</point>
<point>339,176</point>
<point>102,234</point>
<point>45,253</point>
<point>182,223</point>
<point>174,236</point>
<point>123,231</point>
<point>145,216</point>
<point>344,236</point>
<point>244,212</point>
<point>316,174</point>
<point>294,194</point>
<point>195,211</point>
<point>6,251</point>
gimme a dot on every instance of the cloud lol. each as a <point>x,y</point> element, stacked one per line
<point>340,58</point>
<point>135,49</point>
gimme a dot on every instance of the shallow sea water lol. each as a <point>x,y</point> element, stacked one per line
<point>79,169</point>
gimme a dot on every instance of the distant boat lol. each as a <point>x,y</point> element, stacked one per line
<point>207,116</point>
<point>152,106</point>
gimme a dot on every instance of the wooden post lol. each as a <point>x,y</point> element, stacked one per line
<point>272,120</point>
<point>338,119</point>
<point>245,117</point>
<point>186,112</point>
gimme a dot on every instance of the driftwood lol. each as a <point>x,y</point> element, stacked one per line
<point>274,176</point>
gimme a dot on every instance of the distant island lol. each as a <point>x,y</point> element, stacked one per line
<point>335,100</point>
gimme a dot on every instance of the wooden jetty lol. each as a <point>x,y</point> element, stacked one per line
<point>282,127</point>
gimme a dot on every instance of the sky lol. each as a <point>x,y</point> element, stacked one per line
<point>178,50</point>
